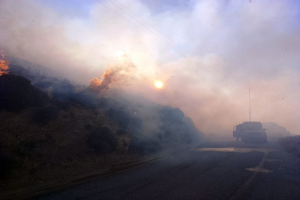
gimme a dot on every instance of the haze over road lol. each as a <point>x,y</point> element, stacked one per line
<point>260,172</point>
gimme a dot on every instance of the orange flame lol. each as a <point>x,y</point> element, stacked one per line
<point>3,64</point>
<point>107,78</point>
<point>116,73</point>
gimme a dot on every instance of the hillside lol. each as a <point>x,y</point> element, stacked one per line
<point>52,130</point>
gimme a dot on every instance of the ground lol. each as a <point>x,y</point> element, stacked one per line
<point>216,170</point>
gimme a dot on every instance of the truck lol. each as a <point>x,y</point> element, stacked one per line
<point>250,132</point>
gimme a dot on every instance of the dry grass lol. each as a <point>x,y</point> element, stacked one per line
<point>291,144</point>
<point>57,150</point>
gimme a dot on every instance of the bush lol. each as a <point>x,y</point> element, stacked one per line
<point>101,140</point>
<point>27,148</point>
<point>144,146</point>
<point>121,131</point>
<point>62,105</point>
<point>17,93</point>
<point>291,143</point>
<point>88,126</point>
<point>174,129</point>
<point>7,166</point>
<point>44,114</point>
<point>123,119</point>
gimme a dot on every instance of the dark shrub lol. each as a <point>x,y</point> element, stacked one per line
<point>17,93</point>
<point>44,114</point>
<point>121,131</point>
<point>62,105</point>
<point>174,129</point>
<point>171,114</point>
<point>144,146</point>
<point>124,120</point>
<point>27,148</point>
<point>7,166</point>
<point>43,84</point>
<point>291,143</point>
<point>71,97</point>
<point>101,140</point>
<point>172,119</point>
<point>88,126</point>
<point>120,116</point>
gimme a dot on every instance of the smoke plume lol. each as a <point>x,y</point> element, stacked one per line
<point>115,74</point>
<point>207,53</point>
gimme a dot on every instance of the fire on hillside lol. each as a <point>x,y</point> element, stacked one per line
<point>4,63</point>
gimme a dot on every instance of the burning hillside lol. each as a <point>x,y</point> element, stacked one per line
<point>78,129</point>
<point>4,63</point>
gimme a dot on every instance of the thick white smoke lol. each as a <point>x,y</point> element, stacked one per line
<point>207,53</point>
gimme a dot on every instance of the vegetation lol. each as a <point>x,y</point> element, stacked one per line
<point>101,140</point>
<point>123,119</point>
<point>291,144</point>
<point>43,115</point>
<point>7,165</point>
<point>48,134</point>
<point>16,93</point>
<point>144,146</point>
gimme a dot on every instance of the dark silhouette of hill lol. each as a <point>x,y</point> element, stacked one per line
<point>17,93</point>
<point>52,130</point>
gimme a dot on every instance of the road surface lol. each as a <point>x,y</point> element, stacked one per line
<point>260,172</point>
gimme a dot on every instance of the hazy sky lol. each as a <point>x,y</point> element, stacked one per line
<point>207,53</point>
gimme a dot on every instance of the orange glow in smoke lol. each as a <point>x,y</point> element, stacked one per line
<point>3,64</point>
<point>95,83</point>
<point>115,75</point>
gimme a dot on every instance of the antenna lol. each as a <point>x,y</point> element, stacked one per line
<point>249,107</point>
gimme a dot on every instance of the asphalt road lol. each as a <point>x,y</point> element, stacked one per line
<point>259,172</point>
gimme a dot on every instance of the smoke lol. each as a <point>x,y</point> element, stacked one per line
<point>115,74</point>
<point>207,53</point>
<point>275,131</point>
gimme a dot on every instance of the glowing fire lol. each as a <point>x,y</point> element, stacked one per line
<point>106,79</point>
<point>3,64</point>
<point>115,74</point>
<point>158,84</point>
